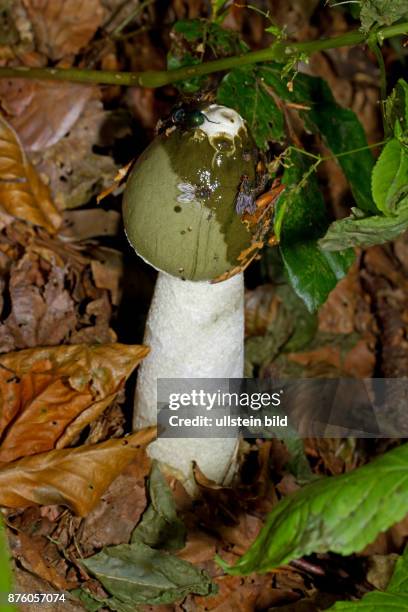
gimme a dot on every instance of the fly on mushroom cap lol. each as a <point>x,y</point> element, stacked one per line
<point>179,202</point>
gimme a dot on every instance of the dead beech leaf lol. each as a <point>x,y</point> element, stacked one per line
<point>22,193</point>
<point>75,171</point>
<point>43,391</point>
<point>42,112</point>
<point>63,27</point>
<point>73,477</point>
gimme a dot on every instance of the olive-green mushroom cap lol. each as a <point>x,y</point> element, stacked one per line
<point>179,204</point>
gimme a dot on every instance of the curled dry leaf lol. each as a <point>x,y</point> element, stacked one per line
<point>22,193</point>
<point>73,477</point>
<point>63,27</point>
<point>42,112</point>
<point>49,394</point>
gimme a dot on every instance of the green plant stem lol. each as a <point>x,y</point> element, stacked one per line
<point>374,46</point>
<point>279,51</point>
<point>332,156</point>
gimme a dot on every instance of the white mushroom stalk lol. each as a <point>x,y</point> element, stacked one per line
<point>181,216</point>
<point>195,330</point>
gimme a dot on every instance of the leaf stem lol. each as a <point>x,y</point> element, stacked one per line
<point>278,51</point>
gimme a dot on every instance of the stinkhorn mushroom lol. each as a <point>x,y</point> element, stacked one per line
<point>181,216</point>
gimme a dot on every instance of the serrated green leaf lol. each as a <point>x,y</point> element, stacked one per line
<point>341,514</point>
<point>390,177</point>
<point>365,231</point>
<point>160,527</point>
<point>137,574</point>
<point>396,108</point>
<point>243,90</point>
<point>373,602</point>
<point>381,12</point>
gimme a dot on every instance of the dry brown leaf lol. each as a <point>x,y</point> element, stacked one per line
<point>42,112</point>
<point>49,291</point>
<point>90,222</point>
<point>119,509</point>
<point>73,477</point>
<point>22,193</point>
<point>28,583</point>
<point>75,171</point>
<point>242,594</point>
<point>42,311</point>
<point>63,27</point>
<point>29,550</point>
<point>44,391</point>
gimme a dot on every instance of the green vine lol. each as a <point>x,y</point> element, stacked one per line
<point>278,51</point>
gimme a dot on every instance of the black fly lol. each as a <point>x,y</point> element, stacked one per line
<point>182,118</point>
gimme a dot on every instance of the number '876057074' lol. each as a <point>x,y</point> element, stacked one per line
<point>31,598</point>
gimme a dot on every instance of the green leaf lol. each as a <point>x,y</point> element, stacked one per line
<point>339,127</point>
<point>396,108</point>
<point>381,12</point>
<point>341,514</point>
<point>137,574</point>
<point>298,464</point>
<point>90,602</point>
<point>244,90</point>
<point>190,29</point>
<point>373,602</point>
<point>312,272</point>
<point>6,576</point>
<point>195,40</point>
<point>344,135</point>
<point>399,580</point>
<point>390,177</point>
<point>216,10</point>
<point>359,230</point>
<point>300,219</point>
<point>160,527</point>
